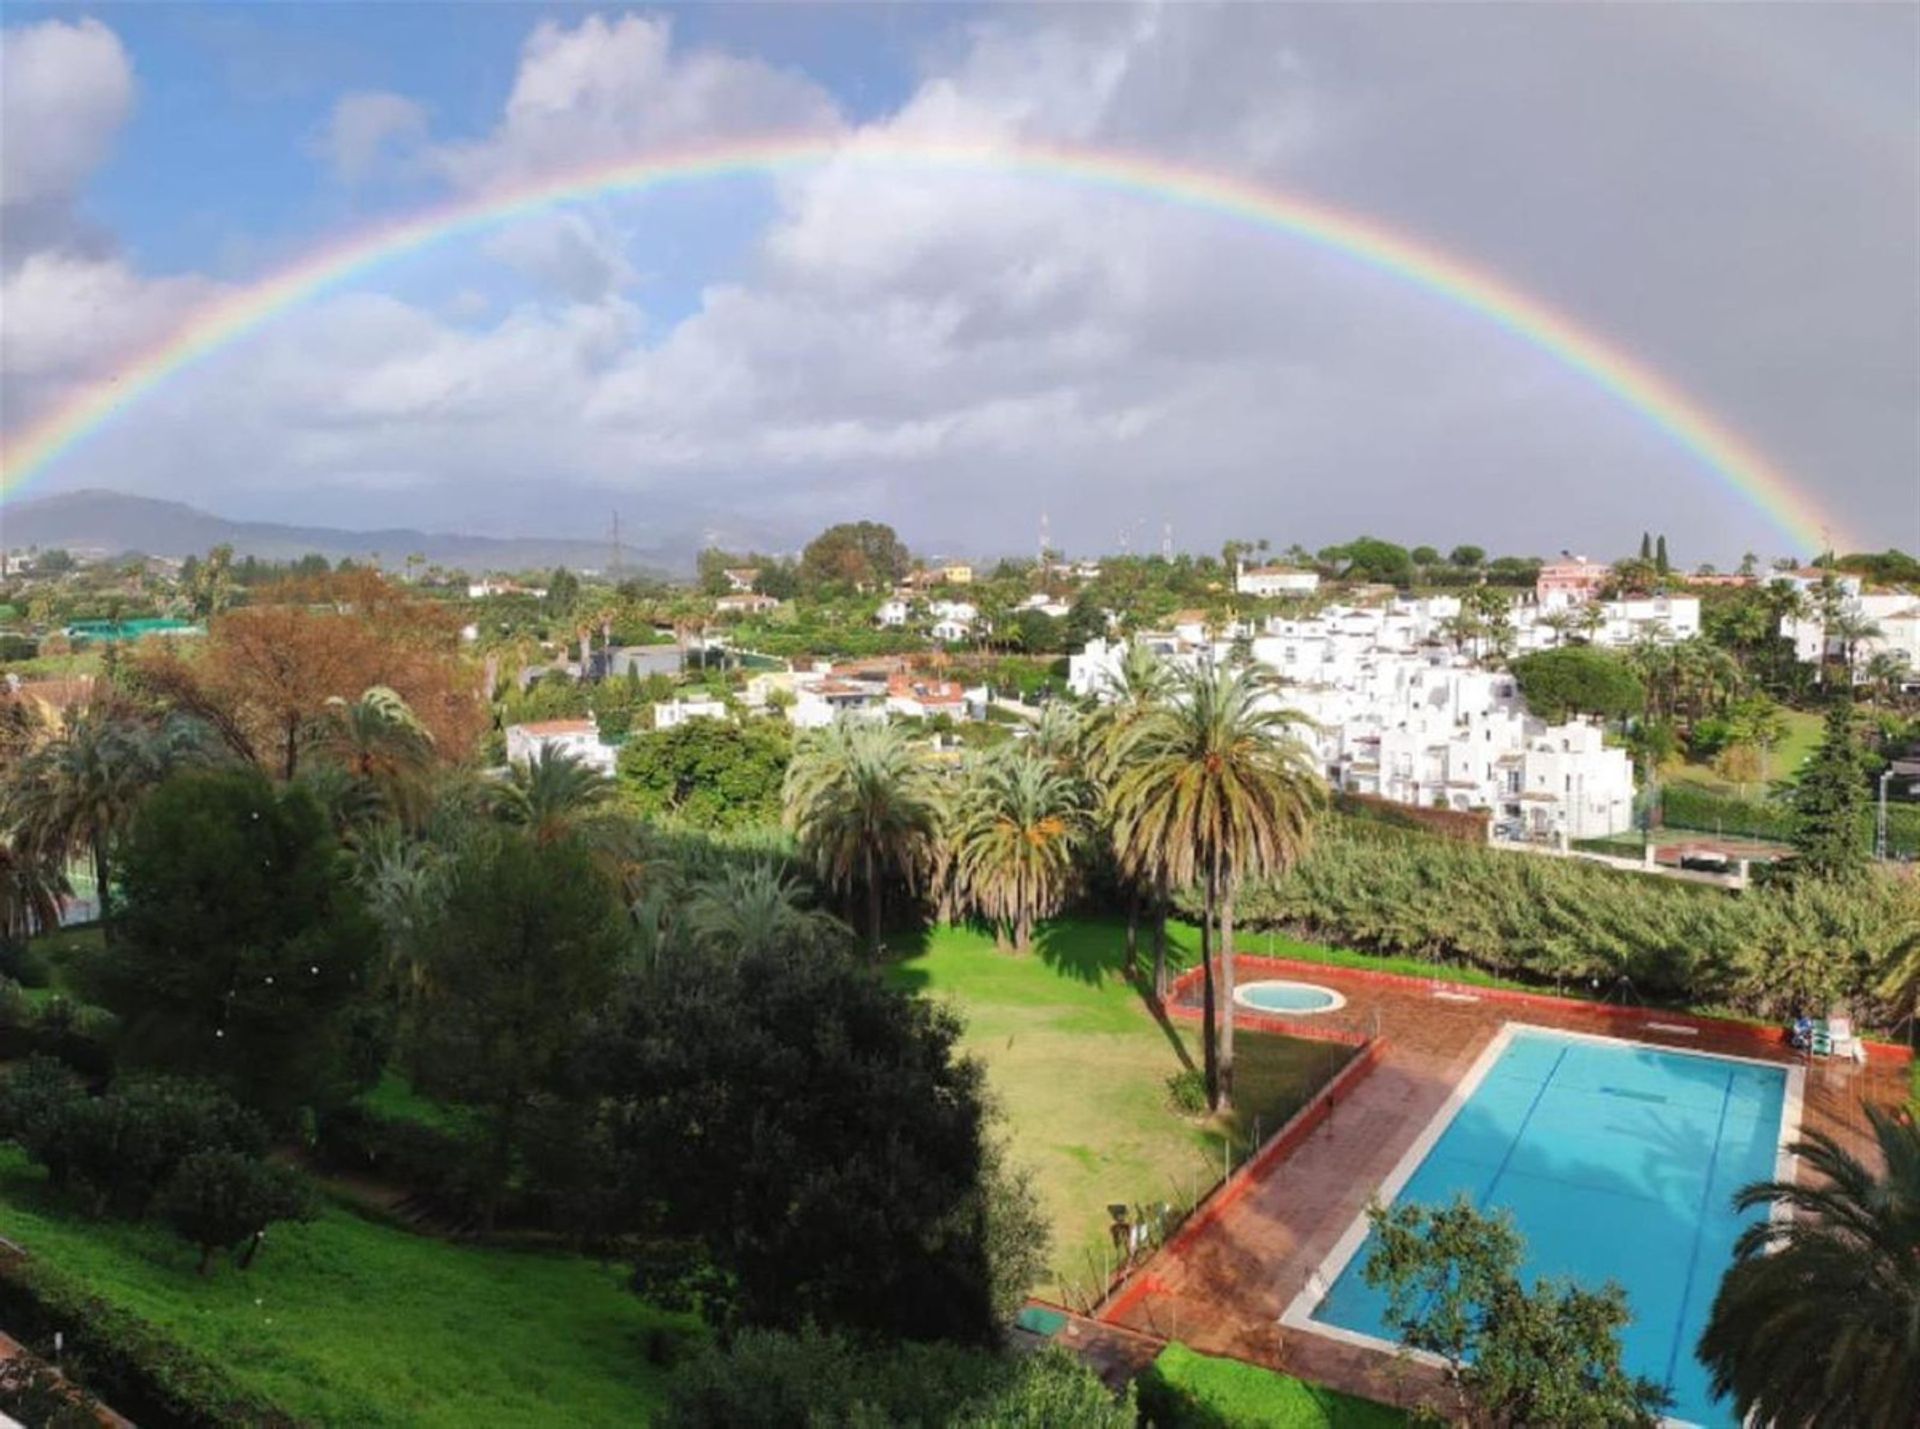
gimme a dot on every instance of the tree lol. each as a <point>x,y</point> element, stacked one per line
<point>1646,547</point>
<point>708,773</point>
<point>1021,819</point>
<point>381,745</point>
<point>242,947</point>
<point>1829,799</point>
<point>563,593</point>
<point>75,795</point>
<point>554,796</point>
<point>218,1200</point>
<point>209,586</point>
<point>757,908</point>
<point>32,885</point>
<point>1660,563</point>
<point>1466,557</point>
<point>1143,682</point>
<point>854,553</point>
<point>1371,559</point>
<point>864,806</point>
<point>1578,679</point>
<point>1815,1323</point>
<point>1215,789</point>
<point>1518,1356</point>
<point>816,1134</point>
<point>1424,556</point>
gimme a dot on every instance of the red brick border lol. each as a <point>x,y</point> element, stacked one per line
<point>1298,1127</point>
<point>1765,1039</point>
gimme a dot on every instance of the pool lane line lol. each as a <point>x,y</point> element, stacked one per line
<point>1699,1229</point>
<point>1525,1121</point>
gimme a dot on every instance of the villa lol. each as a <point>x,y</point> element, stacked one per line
<point>1274,580</point>
<point>579,738</point>
<point>668,714</point>
<point>1572,581</point>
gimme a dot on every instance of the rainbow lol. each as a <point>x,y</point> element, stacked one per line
<point>1656,400</point>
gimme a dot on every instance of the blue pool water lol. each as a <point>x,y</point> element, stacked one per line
<point>1616,1162</point>
<point>1287,997</point>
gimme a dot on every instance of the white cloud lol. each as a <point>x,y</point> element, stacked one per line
<point>365,131</point>
<point>579,256</point>
<point>65,90</point>
<point>617,89</point>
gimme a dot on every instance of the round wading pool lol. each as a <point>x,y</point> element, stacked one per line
<point>1300,999</point>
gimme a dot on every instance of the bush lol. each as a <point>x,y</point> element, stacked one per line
<point>215,1200</point>
<point>25,964</point>
<point>1187,1092</point>
<point>1186,1390</point>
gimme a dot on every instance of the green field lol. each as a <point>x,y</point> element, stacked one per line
<point>1800,740</point>
<point>344,1321</point>
<point>1189,1390</point>
<point>1079,1066</point>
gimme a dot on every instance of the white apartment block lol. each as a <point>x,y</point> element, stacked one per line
<point>1397,712</point>
<point>579,738</point>
<point>1895,615</point>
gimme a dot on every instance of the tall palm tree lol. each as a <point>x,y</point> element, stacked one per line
<point>554,795</point>
<point>1818,1321</point>
<point>755,909</point>
<point>865,806</point>
<point>1021,818</point>
<point>31,887</point>
<point>76,794</point>
<point>380,743</point>
<point>1141,682</point>
<point>1216,788</point>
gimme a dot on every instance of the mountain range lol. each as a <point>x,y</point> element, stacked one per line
<point>104,523</point>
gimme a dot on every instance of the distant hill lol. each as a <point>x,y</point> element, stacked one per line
<point>111,523</point>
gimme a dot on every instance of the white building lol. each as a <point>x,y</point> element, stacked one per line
<point>746,604</point>
<point>820,697</point>
<point>892,614</point>
<point>579,738</point>
<point>669,713</point>
<point>1274,580</point>
<point>1398,713</point>
<point>484,589</point>
<point>1894,616</point>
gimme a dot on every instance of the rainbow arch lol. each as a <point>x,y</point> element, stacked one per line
<point>1719,450</point>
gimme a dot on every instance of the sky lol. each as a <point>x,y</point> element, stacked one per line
<point>1726,192</point>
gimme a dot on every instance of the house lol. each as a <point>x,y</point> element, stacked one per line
<point>1266,581</point>
<point>917,698</point>
<point>1892,617</point>
<point>1046,605</point>
<point>1572,581</point>
<point>952,630</point>
<point>892,613</point>
<point>742,579</point>
<point>578,738</point>
<point>668,714</point>
<point>821,698</point>
<point>485,589</point>
<point>748,604</point>
<point>958,573</point>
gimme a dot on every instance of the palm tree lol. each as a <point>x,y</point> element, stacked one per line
<point>1561,623</point>
<point>31,888</point>
<point>77,793</point>
<point>1818,1321</point>
<point>864,806</point>
<point>756,909</point>
<point>1142,682</point>
<point>554,795</point>
<point>381,744</point>
<point>1216,789</point>
<point>1020,821</point>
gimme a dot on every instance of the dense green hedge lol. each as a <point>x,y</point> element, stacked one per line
<point>1766,952</point>
<point>1687,806</point>
<point>1185,1390</point>
<point>119,1357</point>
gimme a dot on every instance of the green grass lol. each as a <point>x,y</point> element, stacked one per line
<point>58,949</point>
<point>344,1321</point>
<point>1800,740</point>
<point>1190,1390</point>
<point>1079,1066</point>
<point>394,1099</point>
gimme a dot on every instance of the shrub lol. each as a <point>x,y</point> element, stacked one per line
<point>1187,1092</point>
<point>215,1200</point>
<point>1186,1390</point>
<point>25,964</point>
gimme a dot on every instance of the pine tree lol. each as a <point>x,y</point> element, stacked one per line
<point>1646,546</point>
<point>1660,555</point>
<point>1829,801</point>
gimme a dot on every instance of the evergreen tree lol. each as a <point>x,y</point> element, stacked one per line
<point>1646,546</point>
<point>1830,799</point>
<point>1660,555</point>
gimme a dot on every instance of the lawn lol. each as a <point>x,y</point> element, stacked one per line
<point>1800,740</point>
<point>1080,1066</point>
<point>1183,1388</point>
<point>344,1321</point>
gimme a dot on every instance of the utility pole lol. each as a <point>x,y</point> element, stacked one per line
<point>1166,540</point>
<point>613,560</point>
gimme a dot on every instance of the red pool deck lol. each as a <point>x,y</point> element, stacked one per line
<point>1222,1285</point>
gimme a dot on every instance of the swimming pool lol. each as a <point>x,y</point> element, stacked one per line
<point>1278,995</point>
<point>1617,1161</point>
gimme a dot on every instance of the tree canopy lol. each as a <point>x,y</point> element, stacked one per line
<point>1578,679</point>
<point>710,773</point>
